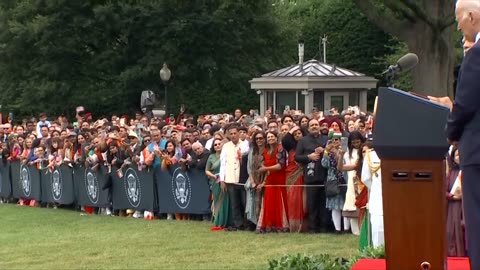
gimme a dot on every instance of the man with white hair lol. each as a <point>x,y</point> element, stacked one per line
<point>199,162</point>
<point>463,127</point>
<point>199,157</point>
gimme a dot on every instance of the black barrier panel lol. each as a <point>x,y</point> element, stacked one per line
<point>57,185</point>
<point>183,192</point>
<point>44,179</point>
<point>5,182</point>
<point>132,189</point>
<point>14,179</point>
<point>26,182</point>
<point>88,185</point>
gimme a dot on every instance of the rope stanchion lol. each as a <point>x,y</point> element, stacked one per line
<point>240,184</point>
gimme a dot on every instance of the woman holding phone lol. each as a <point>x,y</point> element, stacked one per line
<point>335,192</point>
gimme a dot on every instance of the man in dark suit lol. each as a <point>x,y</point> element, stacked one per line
<point>309,153</point>
<point>463,127</point>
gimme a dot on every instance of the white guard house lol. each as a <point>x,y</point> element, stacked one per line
<point>312,85</point>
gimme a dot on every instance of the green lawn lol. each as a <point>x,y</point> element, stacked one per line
<point>38,238</point>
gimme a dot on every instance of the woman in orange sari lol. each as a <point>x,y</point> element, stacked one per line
<point>273,215</point>
<point>295,190</point>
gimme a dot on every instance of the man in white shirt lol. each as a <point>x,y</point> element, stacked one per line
<point>230,162</point>
<point>41,123</point>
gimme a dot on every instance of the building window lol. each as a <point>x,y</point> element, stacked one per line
<point>354,98</point>
<point>337,102</point>
<point>301,102</point>
<point>318,101</point>
<point>269,101</point>
<point>285,99</point>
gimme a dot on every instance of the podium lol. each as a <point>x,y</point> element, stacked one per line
<point>410,140</point>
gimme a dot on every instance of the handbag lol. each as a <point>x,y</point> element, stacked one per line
<point>351,214</point>
<point>332,188</point>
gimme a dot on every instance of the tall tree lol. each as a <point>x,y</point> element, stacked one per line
<point>55,55</point>
<point>427,28</point>
<point>353,42</point>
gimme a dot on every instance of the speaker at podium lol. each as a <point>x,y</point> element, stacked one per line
<point>409,137</point>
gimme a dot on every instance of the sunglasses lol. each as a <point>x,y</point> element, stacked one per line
<point>335,140</point>
<point>190,126</point>
<point>147,140</point>
<point>217,144</point>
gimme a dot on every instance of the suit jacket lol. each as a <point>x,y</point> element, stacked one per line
<point>464,121</point>
<point>305,147</point>
<point>199,161</point>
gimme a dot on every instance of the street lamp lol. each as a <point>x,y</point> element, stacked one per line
<point>165,75</point>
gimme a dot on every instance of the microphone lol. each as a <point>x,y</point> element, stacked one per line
<point>405,63</point>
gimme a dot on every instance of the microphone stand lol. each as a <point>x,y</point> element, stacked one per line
<point>389,75</point>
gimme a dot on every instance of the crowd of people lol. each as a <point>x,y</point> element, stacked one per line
<point>290,173</point>
<point>270,173</point>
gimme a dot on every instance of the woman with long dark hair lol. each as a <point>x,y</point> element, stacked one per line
<point>294,178</point>
<point>349,164</point>
<point>221,201</point>
<point>303,123</point>
<point>455,235</point>
<point>273,216</point>
<point>256,178</point>
<point>170,157</point>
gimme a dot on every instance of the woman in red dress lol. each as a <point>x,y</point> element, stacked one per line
<point>294,179</point>
<point>273,215</point>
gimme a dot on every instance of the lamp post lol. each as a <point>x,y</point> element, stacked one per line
<point>165,75</point>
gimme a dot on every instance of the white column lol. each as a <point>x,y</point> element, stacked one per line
<point>263,101</point>
<point>296,99</point>
<point>363,100</point>
<point>308,103</point>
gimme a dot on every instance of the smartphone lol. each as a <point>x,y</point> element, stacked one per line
<point>169,133</point>
<point>140,126</point>
<point>344,141</point>
<point>122,122</point>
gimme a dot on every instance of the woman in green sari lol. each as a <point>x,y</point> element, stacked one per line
<point>221,202</point>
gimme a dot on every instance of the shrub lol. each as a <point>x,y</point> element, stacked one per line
<point>323,261</point>
<point>304,262</point>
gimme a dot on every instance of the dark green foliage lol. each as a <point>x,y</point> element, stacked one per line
<point>353,42</point>
<point>303,262</point>
<point>323,261</point>
<point>58,54</point>
<point>55,55</point>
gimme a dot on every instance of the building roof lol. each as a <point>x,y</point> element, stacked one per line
<point>313,75</point>
<point>313,68</point>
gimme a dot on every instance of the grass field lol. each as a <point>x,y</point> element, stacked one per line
<point>39,238</point>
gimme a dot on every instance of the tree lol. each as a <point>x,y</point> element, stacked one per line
<point>353,41</point>
<point>427,28</point>
<point>56,55</point>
